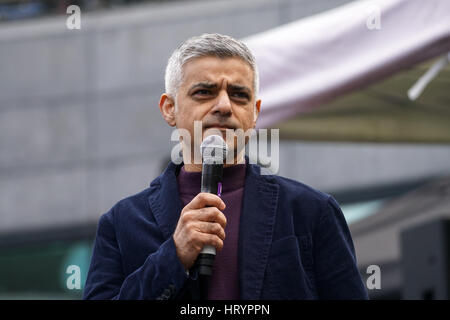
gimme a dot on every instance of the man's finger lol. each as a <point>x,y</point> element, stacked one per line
<point>208,214</point>
<point>210,227</point>
<point>205,199</point>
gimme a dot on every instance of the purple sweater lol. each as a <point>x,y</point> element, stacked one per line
<point>224,283</point>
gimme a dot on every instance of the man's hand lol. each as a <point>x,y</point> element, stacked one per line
<point>201,223</point>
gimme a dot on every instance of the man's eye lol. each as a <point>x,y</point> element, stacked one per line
<point>241,95</point>
<point>202,92</point>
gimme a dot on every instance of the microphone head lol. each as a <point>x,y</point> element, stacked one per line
<point>214,150</point>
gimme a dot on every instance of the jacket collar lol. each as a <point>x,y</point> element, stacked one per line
<point>256,222</point>
<point>164,199</point>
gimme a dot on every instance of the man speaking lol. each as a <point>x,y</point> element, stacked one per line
<point>273,238</point>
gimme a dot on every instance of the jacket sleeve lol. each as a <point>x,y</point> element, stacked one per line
<point>160,277</point>
<point>337,274</point>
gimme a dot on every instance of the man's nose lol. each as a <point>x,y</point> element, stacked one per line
<point>223,104</point>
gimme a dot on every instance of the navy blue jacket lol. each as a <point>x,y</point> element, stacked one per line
<point>294,243</point>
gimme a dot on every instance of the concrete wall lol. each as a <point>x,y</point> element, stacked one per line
<point>80,127</point>
<point>336,167</point>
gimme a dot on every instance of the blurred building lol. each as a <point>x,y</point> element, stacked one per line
<point>80,129</point>
<point>29,9</point>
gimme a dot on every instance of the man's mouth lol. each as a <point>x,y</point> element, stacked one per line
<point>218,127</point>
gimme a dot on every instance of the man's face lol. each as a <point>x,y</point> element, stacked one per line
<point>218,92</point>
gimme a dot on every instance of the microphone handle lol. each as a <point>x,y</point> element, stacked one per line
<point>211,183</point>
<point>211,177</point>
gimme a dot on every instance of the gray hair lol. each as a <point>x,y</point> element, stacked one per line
<point>215,44</point>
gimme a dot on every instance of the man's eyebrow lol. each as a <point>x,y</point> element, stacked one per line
<point>236,87</point>
<point>207,85</point>
<point>211,85</point>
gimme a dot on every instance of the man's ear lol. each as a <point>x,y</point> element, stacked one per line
<point>167,108</point>
<point>257,109</point>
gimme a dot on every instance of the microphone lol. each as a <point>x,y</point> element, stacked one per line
<point>214,152</point>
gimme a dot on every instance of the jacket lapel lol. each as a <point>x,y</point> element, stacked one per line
<point>256,228</point>
<point>164,200</point>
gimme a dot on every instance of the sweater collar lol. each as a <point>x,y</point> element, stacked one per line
<point>233,179</point>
